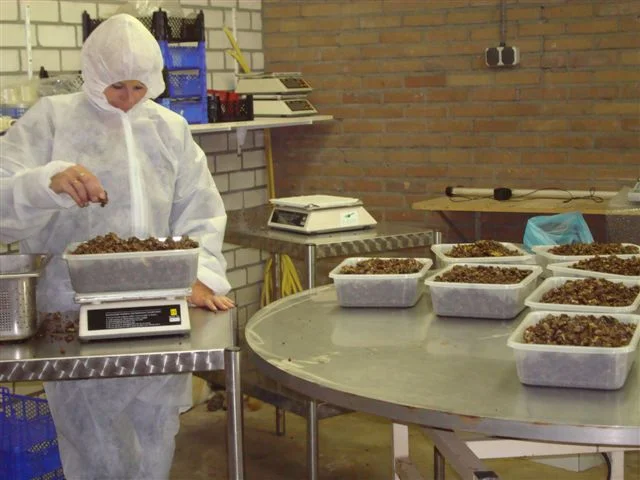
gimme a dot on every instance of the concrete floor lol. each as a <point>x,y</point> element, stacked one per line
<point>352,447</point>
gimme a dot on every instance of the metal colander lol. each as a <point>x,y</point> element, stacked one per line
<point>18,277</point>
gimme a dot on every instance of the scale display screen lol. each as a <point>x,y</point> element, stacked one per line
<point>286,217</point>
<point>134,317</point>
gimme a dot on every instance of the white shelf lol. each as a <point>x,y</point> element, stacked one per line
<point>259,123</point>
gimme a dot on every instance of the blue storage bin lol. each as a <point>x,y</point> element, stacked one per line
<point>179,57</point>
<point>190,83</point>
<point>195,111</point>
<point>28,441</point>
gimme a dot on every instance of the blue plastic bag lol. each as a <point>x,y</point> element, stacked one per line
<point>561,229</point>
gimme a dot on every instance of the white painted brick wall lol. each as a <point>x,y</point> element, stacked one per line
<point>70,60</point>
<point>242,180</point>
<point>253,159</point>
<point>71,12</point>
<point>43,11</point>
<point>49,58</point>
<point>56,35</point>
<point>227,162</point>
<point>9,60</point>
<point>8,10</point>
<point>222,182</point>
<point>250,4</point>
<point>255,198</point>
<point>233,201</point>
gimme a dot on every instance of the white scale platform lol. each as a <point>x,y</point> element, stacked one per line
<point>133,314</point>
<point>313,214</point>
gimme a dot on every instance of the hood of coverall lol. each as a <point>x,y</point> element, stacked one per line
<point>121,48</point>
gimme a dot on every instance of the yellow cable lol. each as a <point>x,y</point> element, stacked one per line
<point>289,283</point>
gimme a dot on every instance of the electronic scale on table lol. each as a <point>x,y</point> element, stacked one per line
<point>282,106</point>
<point>133,314</point>
<point>312,214</point>
<point>272,83</point>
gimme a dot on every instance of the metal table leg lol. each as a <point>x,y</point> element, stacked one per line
<point>312,440</point>
<point>311,266</point>
<point>235,440</point>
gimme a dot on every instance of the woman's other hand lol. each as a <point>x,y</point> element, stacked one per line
<point>202,296</point>
<point>80,184</point>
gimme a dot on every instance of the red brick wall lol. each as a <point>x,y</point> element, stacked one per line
<point>416,109</point>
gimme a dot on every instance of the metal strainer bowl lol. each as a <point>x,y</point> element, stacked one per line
<point>18,277</point>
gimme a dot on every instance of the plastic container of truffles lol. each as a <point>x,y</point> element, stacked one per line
<point>604,368</point>
<point>440,251</point>
<point>132,271</point>
<point>567,269</point>
<point>481,300</point>
<point>534,300</point>
<point>378,289</point>
<point>544,257</point>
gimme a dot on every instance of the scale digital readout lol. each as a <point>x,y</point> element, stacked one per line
<point>133,314</point>
<point>312,214</point>
<point>272,83</point>
<point>282,106</point>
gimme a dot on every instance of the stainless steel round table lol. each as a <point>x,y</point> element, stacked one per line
<point>414,367</point>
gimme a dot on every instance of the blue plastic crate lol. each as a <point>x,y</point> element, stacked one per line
<point>195,111</point>
<point>180,57</point>
<point>28,440</point>
<point>188,83</point>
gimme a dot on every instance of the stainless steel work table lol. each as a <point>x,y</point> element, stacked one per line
<point>209,346</point>
<point>384,237</point>
<point>416,368</point>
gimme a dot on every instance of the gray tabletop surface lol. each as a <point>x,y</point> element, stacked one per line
<point>414,367</point>
<point>62,357</point>
<point>383,237</point>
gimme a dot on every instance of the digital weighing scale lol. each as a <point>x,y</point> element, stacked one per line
<point>282,106</point>
<point>312,214</point>
<point>133,314</point>
<point>272,83</point>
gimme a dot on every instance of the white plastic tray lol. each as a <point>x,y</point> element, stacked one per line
<point>378,290</point>
<point>568,366</point>
<point>442,259</point>
<point>564,269</point>
<point>481,300</point>
<point>533,300</point>
<point>544,258</point>
<point>131,271</point>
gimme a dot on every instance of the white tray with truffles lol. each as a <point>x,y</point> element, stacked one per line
<point>379,282</point>
<point>575,349</point>
<point>481,251</point>
<point>549,254</point>
<point>482,290</point>
<point>588,294</point>
<point>613,267</point>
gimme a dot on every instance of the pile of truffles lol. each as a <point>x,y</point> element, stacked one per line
<point>112,243</point>
<point>580,331</point>
<point>383,266</point>
<point>592,292</point>
<point>482,248</point>
<point>483,274</point>
<point>610,264</point>
<point>594,249</point>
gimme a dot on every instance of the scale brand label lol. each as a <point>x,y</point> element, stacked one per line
<point>348,219</point>
<point>133,317</point>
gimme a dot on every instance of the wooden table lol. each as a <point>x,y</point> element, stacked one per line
<point>615,206</point>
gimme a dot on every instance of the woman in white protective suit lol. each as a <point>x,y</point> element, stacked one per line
<point>57,164</point>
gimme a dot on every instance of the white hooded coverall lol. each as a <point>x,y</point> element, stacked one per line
<point>159,185</point>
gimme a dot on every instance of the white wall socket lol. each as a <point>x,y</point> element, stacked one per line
<point>502,56</point>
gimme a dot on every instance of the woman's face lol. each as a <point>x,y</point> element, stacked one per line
<point>124,95</point>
